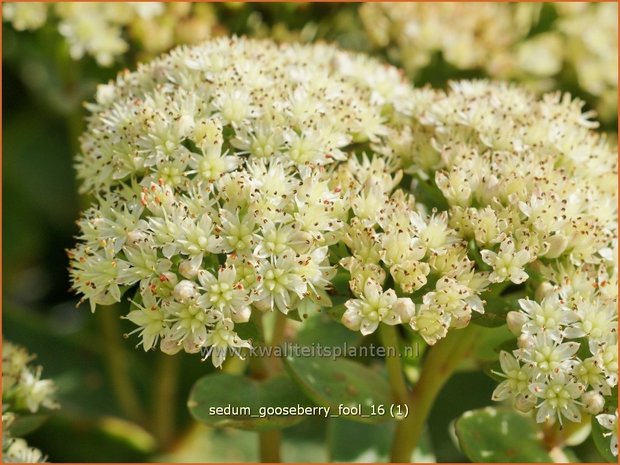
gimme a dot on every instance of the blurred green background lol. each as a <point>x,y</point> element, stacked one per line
<point>84,353</point>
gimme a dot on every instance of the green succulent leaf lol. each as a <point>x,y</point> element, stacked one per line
<point>499,435</point>
<point>350,441</point>
<point>341,385</point>
<point>320,328</point>
<point>222,399</point>
<point>25,424</point>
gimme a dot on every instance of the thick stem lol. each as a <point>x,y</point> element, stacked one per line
<point>115,359</point>
<point>442,359</point>
<point>269,444</point>
<point>389,338</point>
<point>277,338</point>
<point>270,441</point>
<point>165,400</point>
<point>258,366</point>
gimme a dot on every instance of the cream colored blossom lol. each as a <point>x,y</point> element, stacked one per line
<point>218,193</point>
<point>106,31</point>
<point>374,307</point>
<point>468,36</point>
<point>524,179</point>
<point>497,39</point>
<point>23,393</point>
<point>25,15</point>
<point>610,423</point>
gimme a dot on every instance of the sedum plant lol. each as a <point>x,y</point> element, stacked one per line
<point>567,45</point>
<point>238,180</point>
<point>577,45</point>
<point>24,394</point>
<point>232,209</point>
<point>106,31</point>
<point>534,191</point>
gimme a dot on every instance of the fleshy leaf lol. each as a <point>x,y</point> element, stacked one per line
<point>500,435</point>
<point>222,399</point>
<point>341,384</point>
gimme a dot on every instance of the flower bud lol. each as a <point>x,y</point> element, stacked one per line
<point>185,290</point>
<point>169,347</point>
<point>189,268</point>
<point>525,403</point>
<point>405,309</point>
<point>593,402</point>
<point>242,315</point>
<point>515,321</point>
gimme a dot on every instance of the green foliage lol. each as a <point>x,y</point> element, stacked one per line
<point>351,441</point>
<point>498,435</point>
<point>496,309</point>
<point>43,118</point>
<point>320,328</point>
<point>219,400</point>
<point>25,424</point>
<point>332,383</point>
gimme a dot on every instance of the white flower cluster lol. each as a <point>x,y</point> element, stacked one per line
<point>221,183</point>
<point>393,240</point>
<point>96,29</point>
<point>467,35</point>
<point>25,16</point>
<point>103,30</point>
<point>567,360</point>
<point>231,179</point>
<point>495,37</point>
<point>523,177</point>
<point>590,31</point>
<point>23,391</point>
<point>532,187</point>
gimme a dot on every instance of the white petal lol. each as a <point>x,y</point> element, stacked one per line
<point>538,389</point>
<point>573,332</point>
<point>488,257</point>
<point>568,349</point>
<point>518,276</point>
<point>372,289</point>
<point>572,412</point>
<point>529,306</point>
<point>368,327</point>
<point>507,362</point>
<point>544,412</point>
<point>502,391</point>
<point>607,421</point>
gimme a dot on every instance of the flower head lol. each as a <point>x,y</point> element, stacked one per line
<point>23,393</point>
<point>219,173</point>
